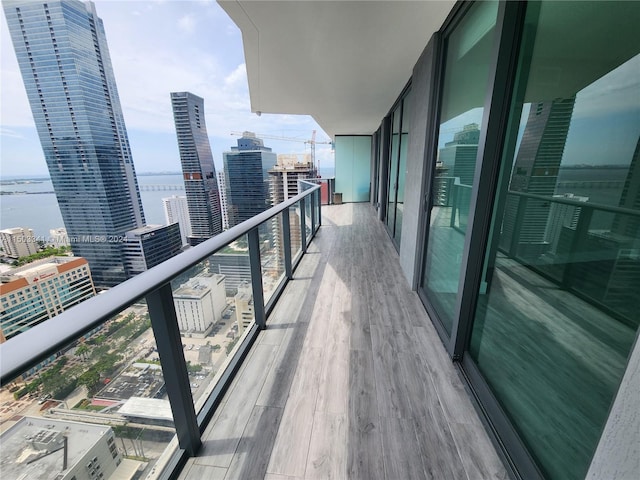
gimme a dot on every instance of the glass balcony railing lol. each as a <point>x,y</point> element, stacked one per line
<point>152,357</point>
<point>586,248</point>
<point>327,188</point>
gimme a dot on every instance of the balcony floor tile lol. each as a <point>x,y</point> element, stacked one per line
<point>350,379</point>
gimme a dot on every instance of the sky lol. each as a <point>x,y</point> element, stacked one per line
<point>158,47</point>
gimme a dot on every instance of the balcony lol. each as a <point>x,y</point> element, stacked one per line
<point>347,377</point>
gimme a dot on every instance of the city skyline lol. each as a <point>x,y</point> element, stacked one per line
<point>165,63</point>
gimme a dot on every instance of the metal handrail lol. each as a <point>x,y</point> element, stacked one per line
<point>577,203</point>
<point>29,348</point>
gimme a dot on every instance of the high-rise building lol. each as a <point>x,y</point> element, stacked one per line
<point>222,189</point>
<point>148,246</point>
<point>246,168</point>
<point>285,174</point>
<point>41,290</point>
<point>18,242</point>
<point>536,169</point>
<point>283,184</point>
<point>459,155</point>
<point>199,172</point>
<point>65,64</point>
<point>176,210</point>
<point>234,265</point>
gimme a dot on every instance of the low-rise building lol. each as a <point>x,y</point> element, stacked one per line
<point>59,238</point>
<point>200,303</point>
<point>41,448</point>
<point>41,290</point>
<point>244,306</point>
<point>148,246</point>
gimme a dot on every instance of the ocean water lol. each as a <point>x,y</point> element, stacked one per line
<point>40,212</point>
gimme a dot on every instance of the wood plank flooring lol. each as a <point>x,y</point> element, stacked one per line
<point>349,381</point>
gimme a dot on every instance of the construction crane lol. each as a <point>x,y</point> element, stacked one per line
<point>311,142</point>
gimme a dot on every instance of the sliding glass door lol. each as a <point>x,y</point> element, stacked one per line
<point>468,54</point>
<point>557,313</point>
<point>397,168</point>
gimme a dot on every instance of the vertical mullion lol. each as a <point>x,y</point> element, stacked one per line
<point>164,322</point>
<point>503,70</point>
<point>256,277</point>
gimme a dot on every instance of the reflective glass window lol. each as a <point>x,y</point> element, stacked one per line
<point>466,76</point>
<point>558,306</point>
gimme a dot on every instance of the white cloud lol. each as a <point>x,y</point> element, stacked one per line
<point>6,132</point>
<point>239,75</point>
<point>151,58</point>
<point>187,23</point>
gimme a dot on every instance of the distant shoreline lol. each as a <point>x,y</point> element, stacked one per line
<point>26,193</point>
<point>16,179</point>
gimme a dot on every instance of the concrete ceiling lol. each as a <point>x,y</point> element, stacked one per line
<point>342,62</point>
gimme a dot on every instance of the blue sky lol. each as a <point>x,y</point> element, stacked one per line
<point>158,47</point>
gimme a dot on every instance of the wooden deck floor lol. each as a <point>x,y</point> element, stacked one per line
<point>349,381</point>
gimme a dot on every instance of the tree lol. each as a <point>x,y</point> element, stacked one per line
<point>81,351</point>
<point>193,368</point>
<point>89,379</point>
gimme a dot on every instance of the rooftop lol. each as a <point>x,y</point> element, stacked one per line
<point>152,408</point>
<point>18,455</point>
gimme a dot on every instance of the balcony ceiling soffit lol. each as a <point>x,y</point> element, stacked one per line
<point>344,63</point>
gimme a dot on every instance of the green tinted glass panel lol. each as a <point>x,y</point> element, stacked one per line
<point>558,307</point>
<point>353,167</point>
<point>468,55</point>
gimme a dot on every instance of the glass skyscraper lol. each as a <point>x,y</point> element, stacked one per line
<point>200,181</point>
<point>246,169</point>
<point>64,60</point>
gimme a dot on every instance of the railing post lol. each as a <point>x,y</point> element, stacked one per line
<point>256,277</point>
<point>454,205</point>
<point>303,225</point>
<point>174,368</point>
<point>521,211</point>
<point>286,243</point>
<point>449,187</point>
<point>577,245</point>
<point>313,212</point>
<point>319,198</point>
